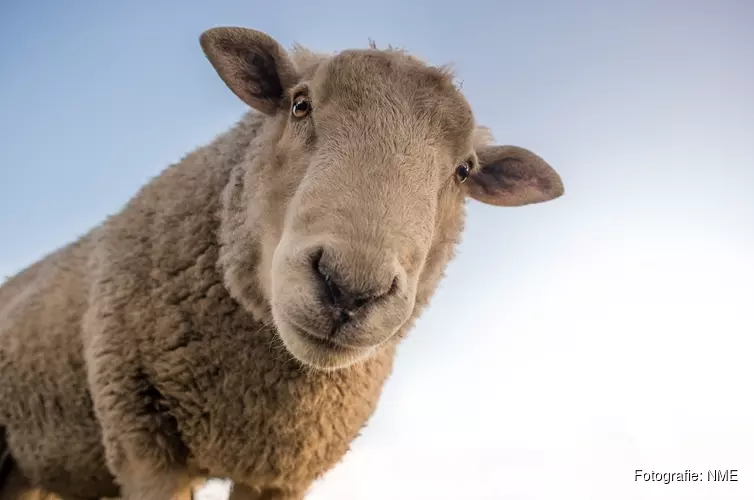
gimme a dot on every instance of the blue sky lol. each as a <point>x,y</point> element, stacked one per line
<point>572,342</point>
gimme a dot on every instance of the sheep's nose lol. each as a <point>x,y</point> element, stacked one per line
<point>347,293</point>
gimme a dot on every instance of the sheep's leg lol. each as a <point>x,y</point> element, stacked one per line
<point>16,487</point>
<point>186,492</point>
<point>143,448</point>
<point>155,487</point>
<point>140,492</point>
<point>242,492</point>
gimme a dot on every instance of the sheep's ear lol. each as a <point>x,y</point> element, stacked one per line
<point>253,65</point>
<point>510,176</point>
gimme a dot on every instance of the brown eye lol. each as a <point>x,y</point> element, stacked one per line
<point>301,107</point>
<point>462,172</point>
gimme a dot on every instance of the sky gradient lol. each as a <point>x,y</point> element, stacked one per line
<point>572,342</point>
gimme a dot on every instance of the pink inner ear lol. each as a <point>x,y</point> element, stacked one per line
<point>513,176</point>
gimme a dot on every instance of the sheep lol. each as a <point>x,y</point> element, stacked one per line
<point>239,315</point>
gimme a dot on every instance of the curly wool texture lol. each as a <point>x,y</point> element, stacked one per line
<point>144,355</point>
<point>137,316</point>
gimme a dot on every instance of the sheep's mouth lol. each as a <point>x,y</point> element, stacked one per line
<point>325,343</point>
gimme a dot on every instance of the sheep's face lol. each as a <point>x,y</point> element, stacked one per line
<point>370,157</point>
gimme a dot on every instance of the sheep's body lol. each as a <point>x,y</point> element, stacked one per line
<point>143,296</point>
<point>239,316</point>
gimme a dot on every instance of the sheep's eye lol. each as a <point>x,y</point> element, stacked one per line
<point>301,107</point>
<point>462,171</point>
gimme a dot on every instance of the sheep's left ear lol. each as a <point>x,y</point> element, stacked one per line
<point>510,176</point>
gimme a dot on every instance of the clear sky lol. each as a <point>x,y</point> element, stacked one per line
<point>572,342</point>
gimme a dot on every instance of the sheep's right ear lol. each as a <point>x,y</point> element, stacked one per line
<point>253,65</point>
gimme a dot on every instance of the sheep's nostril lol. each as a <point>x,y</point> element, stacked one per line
<point>344,299</point>
<point>333,290</point>
<point>394,286</point>
<point>359,302</point>
<point>316,258</point>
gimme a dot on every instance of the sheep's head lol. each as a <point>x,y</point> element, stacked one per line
<point>354,202</point>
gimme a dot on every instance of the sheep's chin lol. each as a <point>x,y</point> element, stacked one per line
<point>316,354</point>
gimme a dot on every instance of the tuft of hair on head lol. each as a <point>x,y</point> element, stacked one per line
<point>304,59</point>
<point>447,70</point>
<point>483,137</point>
